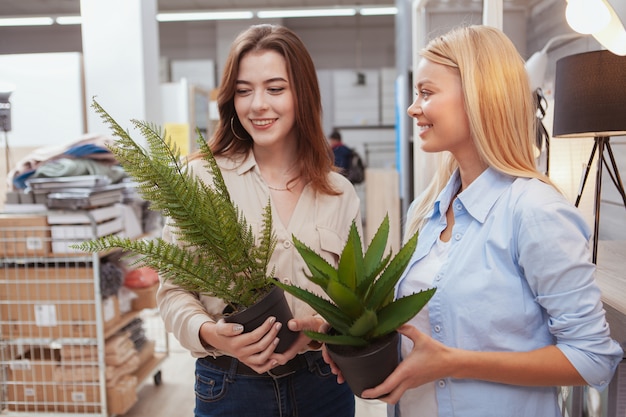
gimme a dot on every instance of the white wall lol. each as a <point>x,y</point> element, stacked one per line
<point>48,100</point>
<point>120,46</point>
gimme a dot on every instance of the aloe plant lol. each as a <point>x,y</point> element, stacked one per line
<point>361,289</point>
<point>217,255</point>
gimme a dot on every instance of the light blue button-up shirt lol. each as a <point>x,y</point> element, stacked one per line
<point>518,277</point>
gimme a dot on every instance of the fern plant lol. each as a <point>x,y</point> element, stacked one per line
<point>361,289</point>
<point>216,254</point>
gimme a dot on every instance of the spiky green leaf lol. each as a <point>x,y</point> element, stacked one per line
<point>364,324</point>
<point>351,260</point>
<point>369,312</point>
<point>318,265</point>
<point>345,298</point>
<point>385,284</point>
<point>338,339</point>
<point>333,315</point>
<point>398,312</point>
<point>376,249</point>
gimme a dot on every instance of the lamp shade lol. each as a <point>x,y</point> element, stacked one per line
<point>590,95</point>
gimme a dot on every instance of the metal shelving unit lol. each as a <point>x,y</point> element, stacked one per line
<point>57,333</point>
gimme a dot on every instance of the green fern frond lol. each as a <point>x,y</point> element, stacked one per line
<point>174,263</point>
<point>217,254</point>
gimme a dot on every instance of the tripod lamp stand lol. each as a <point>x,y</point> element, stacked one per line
<point>590,100</point>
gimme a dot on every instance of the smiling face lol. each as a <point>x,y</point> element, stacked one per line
<point>264,99</point>
<point>440,110</point>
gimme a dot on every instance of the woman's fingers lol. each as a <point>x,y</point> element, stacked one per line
<point>228,329</point>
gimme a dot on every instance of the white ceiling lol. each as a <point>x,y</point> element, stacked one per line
<point>72,7</point>
<point>44,7</point>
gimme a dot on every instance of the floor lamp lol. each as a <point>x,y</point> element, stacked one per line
<point>590,100</point>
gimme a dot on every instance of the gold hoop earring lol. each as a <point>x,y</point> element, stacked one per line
<point>232,129</point>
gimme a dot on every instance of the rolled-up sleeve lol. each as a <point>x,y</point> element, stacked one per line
<point>554,253</point>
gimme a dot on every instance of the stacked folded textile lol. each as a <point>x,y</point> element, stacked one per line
<point>79,363</point>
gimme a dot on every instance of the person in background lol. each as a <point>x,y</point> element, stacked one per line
<point>269,145</point>
<point>517,312</point>
<point>342,154</point>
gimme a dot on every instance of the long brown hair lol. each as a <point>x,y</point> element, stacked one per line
<point>313,156</point>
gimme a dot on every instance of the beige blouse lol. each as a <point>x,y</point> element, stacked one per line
<point>319,220</point>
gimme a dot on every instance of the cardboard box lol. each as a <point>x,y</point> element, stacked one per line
<point>79,398</point>
<point>30,385</point>
<point>24,236</point>
<point>122,396</point>
<point>36,365</point>
<point>146,297</point>
<point>147,352</point>
<point>51,302</point>
<point>35,386</point>
<point>32,397</point>
<point>54,398</point>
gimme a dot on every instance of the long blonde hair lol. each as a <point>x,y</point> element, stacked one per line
<point>499,105</point>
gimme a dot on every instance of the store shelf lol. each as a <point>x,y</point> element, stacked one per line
<point>148,368</point>
<point>64,350</point>
<point>124,320</point>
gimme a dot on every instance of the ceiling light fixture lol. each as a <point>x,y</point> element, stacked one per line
<point>378,11</point>
<point>285,13</point>
<point>220,15</point>
<point>587,16</point>
<point>195,16</point>
<point>611,35</point>
<point>69,20</point>
<point>27,21</point>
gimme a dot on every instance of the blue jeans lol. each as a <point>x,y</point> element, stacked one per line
<point>312,392</point>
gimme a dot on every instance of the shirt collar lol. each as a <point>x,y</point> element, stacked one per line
<point>249,162</point>
<point>241,163</point>
<point>479,197</point>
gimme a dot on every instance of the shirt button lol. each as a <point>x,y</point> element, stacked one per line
<point>437,328</point>
<point>441,383</point>
<point>457,236</point>
<point>438,277</point>
<point>287,244</point>
<point>459,207</point>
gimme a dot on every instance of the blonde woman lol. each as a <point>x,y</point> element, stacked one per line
<point>517,312</point>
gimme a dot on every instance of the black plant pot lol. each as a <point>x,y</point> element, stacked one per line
<point>368,366</point>
<point>273,304</point>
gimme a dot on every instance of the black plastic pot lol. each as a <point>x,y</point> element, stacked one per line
<point>273,304</point>
<point>366,367</point>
